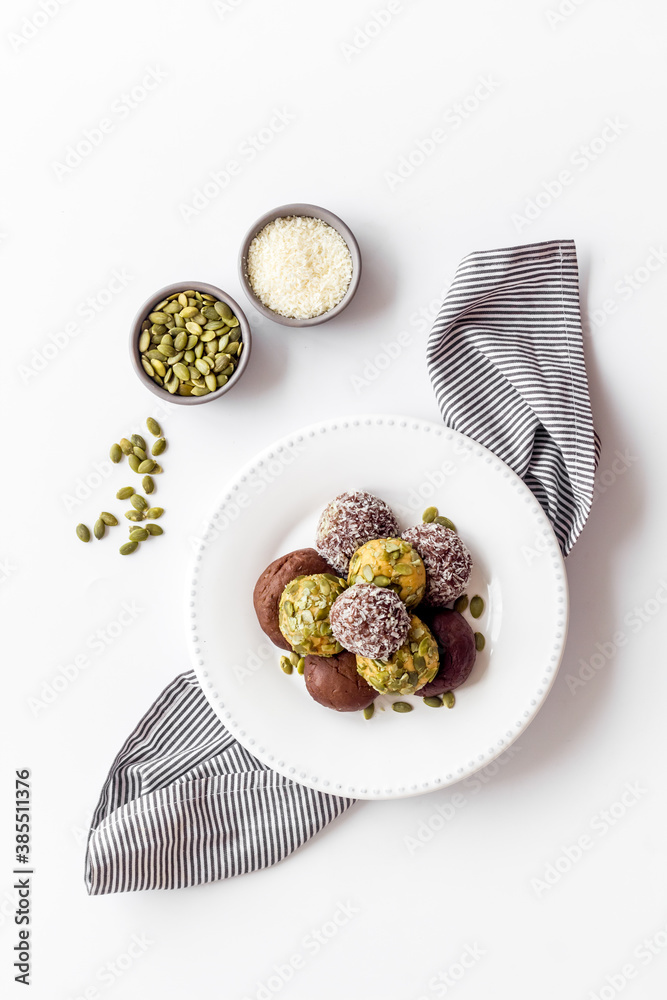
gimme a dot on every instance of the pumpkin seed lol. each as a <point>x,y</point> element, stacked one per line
<point>157,470</point>
<point>124,492</point>
<point>180,343</point>
<point>448,699</point>
<point>433,702</point>
<point>138,502</point>
<point>154,529</point>
<point>199,392</point>
<point>147,466</point>
<point>477,606</point>
<point>181,371</point>
<point>134,463</point>
<point>137,441</point>
<point>286,664</point>
<point>147,484</point>
<point>115,453</point>
<point>401,706</point>
<point>159,446</point>
<point>125,446</point>
<point>211,382</point>
<point>160,368</point>
<point>480,642</point>
<point>429,515</point>
<point>83,532</point>
<point>368,711</point>
<point>367,573</point>
<point>446,523</point>
<point>144,341</point>
<point>147,367</point>
<point>140,453</point>
<point>301,665</point>
<point>108,518</point>
<point>223,311</point>
<point>100,528</point>
<point>381,581</point>
<point>134,515</point>
<point>153,513</point>
<point>461,603</point>
<point>158,317</point>
<point>128,548</point>
<point>138,535</point>
<point>424,646</point>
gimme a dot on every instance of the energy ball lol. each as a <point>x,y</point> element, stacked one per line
<point>371,621</point>
<point>409,669</point>
<point>272,582</point>
<point>447,560</point>
<point>456,642</point>
<point>303,615</point>
<point>393,563</point>
<point>333,681</point>
<point>347,522</point>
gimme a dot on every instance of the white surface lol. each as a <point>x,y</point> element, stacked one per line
<point>398,459</point>
<point>418,907</point>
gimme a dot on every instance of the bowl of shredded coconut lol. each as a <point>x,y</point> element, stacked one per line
<point>300,265</point>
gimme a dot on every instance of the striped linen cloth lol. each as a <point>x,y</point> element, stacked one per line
<point>506,358</point>
<point>184,802</point>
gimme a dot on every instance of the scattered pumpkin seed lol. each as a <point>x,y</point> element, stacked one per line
<point>401,706</point>
<point>433,701</point>
<point>134,515</point>
<point>369,710</point>
<point>134,462</point>
<point>159,446</point>
<point>153,513</point>
<point>301,665</point>
<point>125,446</point>
<point>128,548</point>
<point>83,532</point>
<point>108,518</point>
<point>448,699</point>
<point>140,453</point>
<point>286,664</point>
<point>429,515</point>
<point>480,642</point>
<point>154,529</point>
<point>138,535</point>
<point>146,466</point>
<point>477,606</point>
<point>147,484</point>
<point>115,453</point>
<point>100,528</point>
<point>138,502</point>
<point>461,603</point>
<point>445,522</point>
<point>125,492</point>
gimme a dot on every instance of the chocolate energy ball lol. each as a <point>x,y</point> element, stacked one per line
<point>347,522</point>
<point>407,670</point>
<point>447,560</point>
<point>393,563</point>
<point>456,642</point>
<point>371,621</point>
<point>272,582</point>
<point>303,614</point>
<point>333,681</point>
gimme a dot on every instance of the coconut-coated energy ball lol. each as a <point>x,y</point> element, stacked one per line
<point>347,522</point>
<point>393,563</point>
<point>409,668</point>
<point>371,621</point>
<point>447,560</point>
<point>303,615</point>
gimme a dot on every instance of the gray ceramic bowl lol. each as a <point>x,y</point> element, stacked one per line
<point>315,212</point>
<point>148,306</point>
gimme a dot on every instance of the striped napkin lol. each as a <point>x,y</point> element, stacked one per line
<point>184,802</point>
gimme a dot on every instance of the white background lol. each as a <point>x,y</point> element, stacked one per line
<point>356,111</point>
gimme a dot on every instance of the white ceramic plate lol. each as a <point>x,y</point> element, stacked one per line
<point>272,507</point>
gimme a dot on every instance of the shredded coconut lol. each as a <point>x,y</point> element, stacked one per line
<point>299,267</point>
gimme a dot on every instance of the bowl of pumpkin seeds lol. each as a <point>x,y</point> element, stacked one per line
<point>190,342</point>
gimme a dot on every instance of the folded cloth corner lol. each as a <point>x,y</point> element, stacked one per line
<point>185,803</point>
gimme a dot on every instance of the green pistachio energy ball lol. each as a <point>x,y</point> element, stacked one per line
<point>413,665</point>
<point>303,615</point>
<point>393,563</point>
